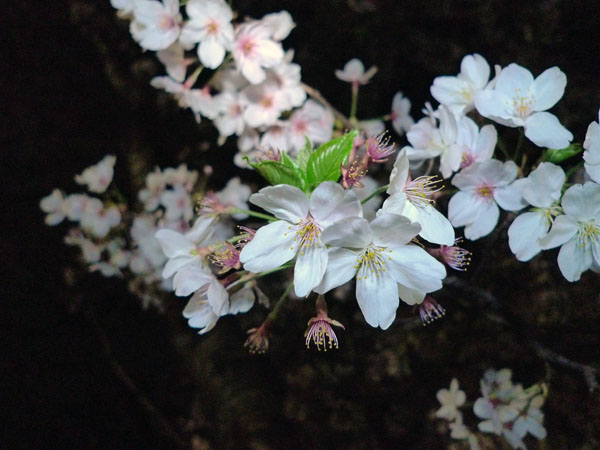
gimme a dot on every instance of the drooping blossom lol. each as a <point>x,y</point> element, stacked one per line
<point>354,72</point>
<point>298,232</point>
<point>542,190</point>
<point>577,232</point>
<point>320,330</point>
<point>458,93</point>
<point>98,177</point>
<point>430,310</point>
<point>482,188</point>
<point>453,256</point>
<point>386,266</point>
<point>412,199</point>
<point>400,115</point>
<point>173,58</point>
<point>518,100</point>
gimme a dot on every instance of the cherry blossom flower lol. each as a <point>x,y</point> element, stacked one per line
<point>450,399</point>
<point>54,206</point>
<point>177,203</point>
<point>386,266</point>
<point>312,121</point>
<point>230,119</point>
<point>458,93</point>
<point>157,23</point>
<point>210,25</point>
<point>264,103</point>
<point>577,231</point>
<point>453,256</point>
<point>280,23</point>
<point>541,189</point>
<point>591,155</point>
<point>379,148</point>
<point>98,177</point>
<point>298,232</point>
<point>430,310</point>
<point>254,50</point>
<point>320,329</point>
<point>483,187</point>
<point>124,7</point>
<point>431,137</point>
<point>400,115</point>
<point>97,219</point>
<point>287,77</point>
<point>354,72</point>
<point>173,58</point>
<point>412,199</point>
<point>518,100</point>
<point>475,145</point>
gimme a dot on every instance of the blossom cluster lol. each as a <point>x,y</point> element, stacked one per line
<point>507,409</point>
<point>116,241</point>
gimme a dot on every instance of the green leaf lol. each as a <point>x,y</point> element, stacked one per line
<point>276,172</point>
<point>324,163</point>
<point>559,155</point>
<point>304,154</point>
<point>288,161</point>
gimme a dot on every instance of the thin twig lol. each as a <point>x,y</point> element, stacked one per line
<point>156,415</point>
<point>312,92</point>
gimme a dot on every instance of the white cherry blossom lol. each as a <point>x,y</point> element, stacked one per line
<point>400,115</point>
<point>457,93</point>
<point>591,155</point>
<point>475,145</point>
<point>298,232</point>
<point>483,186</point>
<point>173,58</point>
<point>157,23</point>
<point>577,231</point>
<point>210,25</point>
<point>411,199</point>
<point>541,189</point>
<point>450,399</point>
<point>518,100</point>
<point>254,50</point>
<point>386,266</point>
<point>280,23</point>
<point>97,219</point>
<point>354,72</point>
<point>98,177</point>
<point>54,206</point>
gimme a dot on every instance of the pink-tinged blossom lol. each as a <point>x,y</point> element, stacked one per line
<point>577,232</point>
<point>173,58</point>
<point>412,199</point>
<point>354,72</point>
<point>384,262</point>
<point>400,115</point>
<point>519,100</point>
<point>458,93</point>
<point>453,256</point>
<point>258,338</point>
<point>54,206</point>
<point>435,136</point>
<point>230,117</point>
<point>264,104</point>
<point>355,169</point>
<point>226,256</point>
<point>591,155</point>
<point>280,24</point>
<point>210,25</point>
<point>98,177</point>
<point>254,50</point>
<point>157,23</point>
<point>430,310</point>
<point>474,145</point>
<point>274,140</point>
<point>312,121</point>
<point>98,220</point>
<point>320,330</point>
<point>379,148</point>
<point>298,232</point>
<point>542,190</point>
<point>482,188</point>
<point>287,77</point>
<point>177,203</point>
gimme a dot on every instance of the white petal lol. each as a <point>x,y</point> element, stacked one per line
<point>563,229</point>
<point>414,268</point>
<point>464,208</point>
<point>353,232</point>
<point>544,130</point>
<point>523,235</point>
<point>573,260</point>
<point>283,201</point>
<point>582,201</point>
<point>544,185</point>
<point>513,80</point>
<point>377,297</point>
<point>509,197</point>
<point>217,296</point>
<point>202,230</point>
<point>593,171</point>
<point>341,267</point>
<point>394,204</point>
<point>272,246</point>
<point>211,53</point>
<point>476,69</point>
<point>485,223</point>
<point>189,279</point>
<point>435,227</point>
<point>392,230</point>
<point>173,243</point>
<point>496,106</point>
<point>399,174</point>
<point>486,143</point>
<point>449,90</point>
<point>330,203</point>
<point>176,263</point>
<point>310,267</point>
<point>549,88</point>
<point>410,296</point>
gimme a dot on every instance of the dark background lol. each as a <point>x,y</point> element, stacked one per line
<point>83,366</point>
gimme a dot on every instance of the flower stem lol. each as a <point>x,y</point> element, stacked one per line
<point>255,276</point>
<point>273,314</point>
<point>572,170</point>
<point>254,214</point>
<point>354,103</point>
<point>502,148</point>
<point>378,191</point>
<point>519,145</point>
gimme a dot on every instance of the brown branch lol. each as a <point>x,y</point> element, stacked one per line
<point>164,427</point>
<point>312,92</point>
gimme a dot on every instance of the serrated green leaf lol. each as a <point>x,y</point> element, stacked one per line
<point>304,154</point>
<point>288,161</point>
<point>324,163</point>
<point>559,155</point>
<point>276,172</point>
